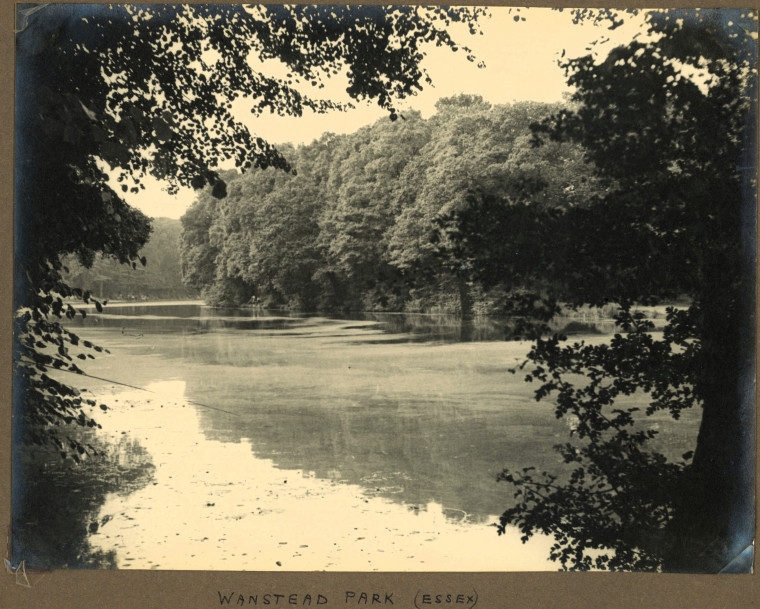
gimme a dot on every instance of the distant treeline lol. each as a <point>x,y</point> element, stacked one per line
<point>357,227</point>
<point>159,278</point>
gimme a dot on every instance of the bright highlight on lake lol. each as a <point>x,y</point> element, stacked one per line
<point>311,443</point>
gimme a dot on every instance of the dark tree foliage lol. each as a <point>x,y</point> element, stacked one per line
<point>129,91</point>
<point>612,511</point>
<point>668,122</point>
<point>353,229</point>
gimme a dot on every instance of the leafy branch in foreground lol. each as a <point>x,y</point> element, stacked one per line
<point>613,508</point>
<point>669,123</point>
<point>131,91</point>
<point>43,347</point>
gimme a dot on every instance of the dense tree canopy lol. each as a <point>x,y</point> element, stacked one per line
<point>669,125</point>
<point>355,228</point>
<point>118,92</point>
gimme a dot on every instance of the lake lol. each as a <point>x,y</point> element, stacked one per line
<point>289,442</point>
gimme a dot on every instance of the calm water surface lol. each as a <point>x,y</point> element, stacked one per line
<point>300,442</point>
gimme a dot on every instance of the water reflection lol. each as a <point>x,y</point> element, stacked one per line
<point>391,421</point>
<point>215,504</point>
<point>444,455</point>
<point>392,327</point>
<point>188,318</point>
<point>59,507</point>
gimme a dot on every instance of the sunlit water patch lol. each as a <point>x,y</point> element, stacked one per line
<point>214,505</point>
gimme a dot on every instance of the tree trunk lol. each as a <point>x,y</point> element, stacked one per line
<point>715,521</point>
<point>465,299</point>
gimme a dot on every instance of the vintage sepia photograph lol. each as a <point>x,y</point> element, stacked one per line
<point>362,288</point>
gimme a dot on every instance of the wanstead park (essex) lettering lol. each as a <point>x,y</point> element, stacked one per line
<point>303,600</point>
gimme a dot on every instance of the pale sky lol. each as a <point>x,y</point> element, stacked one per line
<point>521,64</point>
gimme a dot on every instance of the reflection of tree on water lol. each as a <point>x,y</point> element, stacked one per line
<point>408,455</point>
<point>58,506</point>
<point>418,327</point>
